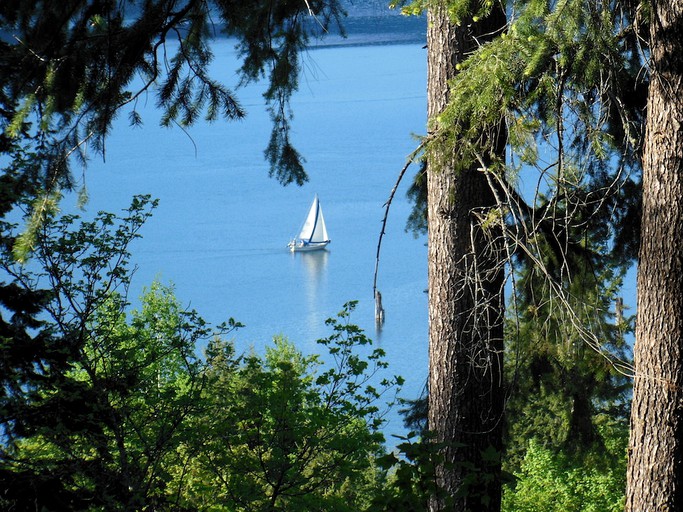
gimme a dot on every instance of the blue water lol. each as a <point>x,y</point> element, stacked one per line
<point>220,232</point>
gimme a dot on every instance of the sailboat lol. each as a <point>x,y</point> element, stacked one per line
<point>313,234</point>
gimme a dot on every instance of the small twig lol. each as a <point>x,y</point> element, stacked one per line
<point>387,205</point>
<point>30,50</point>
<point>311,13</point>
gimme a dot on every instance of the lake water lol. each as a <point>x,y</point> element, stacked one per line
<point>220,232</point>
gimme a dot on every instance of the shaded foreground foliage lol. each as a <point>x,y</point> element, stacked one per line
<point>126,416</point>
<point>122,414</point>
<point>105,410</point>
<point>567,80</point>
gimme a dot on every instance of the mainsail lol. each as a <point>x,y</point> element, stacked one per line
<point>314,229</point>
<point>313,234</point>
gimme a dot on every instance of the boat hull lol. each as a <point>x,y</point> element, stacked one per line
<point>301,246</point>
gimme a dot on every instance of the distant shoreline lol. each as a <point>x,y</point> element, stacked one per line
<point>373,30</point>
<point>370,31</point>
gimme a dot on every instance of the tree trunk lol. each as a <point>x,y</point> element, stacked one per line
<point>655,468</point>
<point>465,295</point>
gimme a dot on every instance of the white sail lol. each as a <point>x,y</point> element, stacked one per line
<point>320,230</point>
<point>308,228</point>
<point>313,234</point>
<point>314,228</point>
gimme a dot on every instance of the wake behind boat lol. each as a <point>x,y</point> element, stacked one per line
<point>313,235</point>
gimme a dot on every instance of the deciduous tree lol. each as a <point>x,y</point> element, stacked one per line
<point>97,418</point>
<point>290,431</point>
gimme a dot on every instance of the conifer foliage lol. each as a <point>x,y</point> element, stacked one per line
<point>565,81</point>
<point>69,68</point>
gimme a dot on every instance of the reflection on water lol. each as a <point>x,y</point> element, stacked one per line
<point>314,266</point>
<point>379,315</point>
<point>315,263</point>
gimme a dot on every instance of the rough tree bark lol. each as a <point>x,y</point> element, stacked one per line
<point>465,293</point>
<point>655,468</point>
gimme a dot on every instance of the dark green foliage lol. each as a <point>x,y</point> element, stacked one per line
<point>70,67</point>
<point>590,480</point>
<point>122,414</point>
<point>411,479</point>
<point>568,356</point>
<point>411,468</point>
<point>412,476</point>
<point>289,432</point>
<point>569,366</point>
<point>272,37</point>
<point>415,413</point>
<point>96,411</point>
<point>417,194</point>
<point>282,154</point>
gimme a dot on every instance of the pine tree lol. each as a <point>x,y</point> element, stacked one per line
<point>567,364</point>
<point>655,467</point>
<point>563,78</point>
<point>465,279</point>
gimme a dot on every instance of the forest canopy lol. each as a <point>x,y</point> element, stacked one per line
<point>104,408</point>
